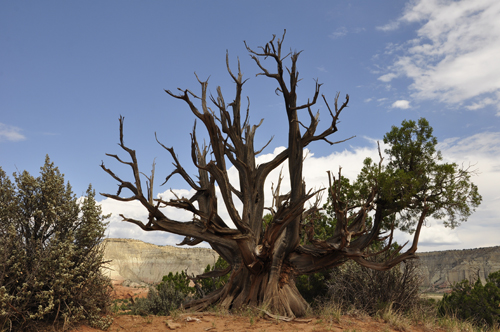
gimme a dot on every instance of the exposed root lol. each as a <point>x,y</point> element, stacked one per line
<point>249,290</point>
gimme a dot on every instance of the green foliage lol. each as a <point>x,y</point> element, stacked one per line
<point>179,282</point>
<point>314,286</point>
<point>415,176</point>
<point>50,253</point>
<point>266,221</point>
<point>412,178</point>
<point>168,295</point>
<point>209,285</point>
<point>161,300</point>
<point>474,301</point>
<point>175,290</point>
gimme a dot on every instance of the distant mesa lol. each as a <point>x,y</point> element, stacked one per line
<point>135,262</point>
<point>441,269</point>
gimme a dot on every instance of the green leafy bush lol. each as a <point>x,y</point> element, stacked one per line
<point>208,285</point>
<point>175,290</point>
<point>50,253</point>
<point>314,286</point>
<point>474,301</point>
<point>168,295</point>
<point>179,281</point>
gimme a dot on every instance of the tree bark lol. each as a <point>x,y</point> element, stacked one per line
<point>264,259</point>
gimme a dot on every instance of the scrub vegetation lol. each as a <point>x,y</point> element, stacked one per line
<point>50,254</point>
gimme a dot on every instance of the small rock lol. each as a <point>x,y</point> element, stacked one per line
<point>172,325</point>
<point>193,319</point>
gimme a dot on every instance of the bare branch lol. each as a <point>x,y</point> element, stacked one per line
<point>410,253</point>
<point>265,146</point>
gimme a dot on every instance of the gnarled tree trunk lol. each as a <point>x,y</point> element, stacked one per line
<point>264,259</point>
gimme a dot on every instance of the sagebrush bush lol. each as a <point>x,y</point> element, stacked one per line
<point>474,301</point>
<point>50,253</point>
<point>356,287</point>
<point>351,286</point>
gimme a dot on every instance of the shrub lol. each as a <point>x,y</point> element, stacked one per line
<point>160,301</point>
<point>357,287</point>
<point>175,290</point>
<point>168,295</point>
<point>474,301</point>
<point>50,253</point>
<point>207,285</point>
<point>179,282</point>
<point>313,286</point>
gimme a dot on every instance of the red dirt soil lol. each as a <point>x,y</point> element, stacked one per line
<point>194,322</point>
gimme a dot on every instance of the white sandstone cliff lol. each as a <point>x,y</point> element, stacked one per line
<point>139,262</point>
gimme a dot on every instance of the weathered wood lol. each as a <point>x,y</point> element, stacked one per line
<point>264,260</point>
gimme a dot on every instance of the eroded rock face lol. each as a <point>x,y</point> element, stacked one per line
<point>139,262</point>
<point>441,269</point>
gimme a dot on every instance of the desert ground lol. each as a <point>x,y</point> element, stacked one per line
<point>213,321</point>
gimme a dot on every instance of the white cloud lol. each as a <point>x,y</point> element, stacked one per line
<point>480,104</point>
<point>10,133</point>
<point>472,147</point>
<point>387,77</point>
<point>121,229</point>
<point>433,235</point>
<point>480,150</point>
<point>315,175</point>
<point>403,104</point>
<point>455,56</point>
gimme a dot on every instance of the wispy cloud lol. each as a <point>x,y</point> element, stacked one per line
<point>389,26</point>
<point>480,104</point>
<point>339,32</point>
<point>342,31</point>
<point>454,59</point>
<point>10,133</point>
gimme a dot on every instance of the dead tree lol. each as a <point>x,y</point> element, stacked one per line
<point>263,260</point>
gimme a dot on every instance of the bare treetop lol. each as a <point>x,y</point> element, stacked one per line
<point>264,257</point>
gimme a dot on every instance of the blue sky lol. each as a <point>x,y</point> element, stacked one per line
<point>69,69</point>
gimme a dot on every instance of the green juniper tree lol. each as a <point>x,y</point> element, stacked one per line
<point>412,183</point>
<point>50,252</point>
